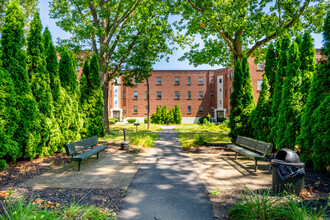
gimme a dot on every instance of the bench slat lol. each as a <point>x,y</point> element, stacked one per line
<point>87,154</point>
<point>259,146</point>
<point>77,146</point>
<point>246,152</point>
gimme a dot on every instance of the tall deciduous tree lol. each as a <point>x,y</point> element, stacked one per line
<point>260,116</point>
<point>130,35</point>
<point>13,59</point>
<point>282,48</point>
<point>318,92</point>
<point>9,148</point>
<point>235,122</point>
<point>231,28</point>
<point>248,103</point>
<point>288,124</point>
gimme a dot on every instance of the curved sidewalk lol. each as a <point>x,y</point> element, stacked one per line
<point>166,186</point>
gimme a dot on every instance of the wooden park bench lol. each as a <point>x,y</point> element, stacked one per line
<point>72,149</point>
<point>253,149</point>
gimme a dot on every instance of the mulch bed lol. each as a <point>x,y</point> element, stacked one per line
<point>20,171</point>
<point>316,192</point>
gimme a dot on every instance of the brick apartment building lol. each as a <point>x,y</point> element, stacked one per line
<point>197,92</point>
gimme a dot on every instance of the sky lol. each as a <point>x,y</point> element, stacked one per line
<point>173,63</point>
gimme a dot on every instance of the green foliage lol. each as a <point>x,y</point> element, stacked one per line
<point>145,120</point>
<point>199,140</point>
<point>164,114</point>
<point>131,120</point>
<point>177,115</point>
<point>9,148</point>
<point>145,140</point>
<point>282,47</point>
<point>248,103</point>
<point>288,123</point>
<point>260,116</point>
<point>187,139</point>
<point>40,85</point>
<point>14,61</point>
<point>236,97</point>
<point>307,56</point>
<point>114,119</point>
<point>271,67</point>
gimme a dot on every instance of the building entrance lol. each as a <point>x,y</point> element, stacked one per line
<point>116,114</point>
<point>220,115</point>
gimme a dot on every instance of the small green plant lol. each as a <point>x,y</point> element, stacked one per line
<point>199,140</point>
<point>215,192</point>
<point>114,119</point>
<point>131,120</point>
<point>111,121</point>
<point>51,163</point>
<point>3,164</point>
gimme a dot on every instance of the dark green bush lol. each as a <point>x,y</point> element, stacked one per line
<point>131,120</point>
<point>112,121</point>
<point>221,120</point>
<point>201,120</point>
<point>145,120</point>
<point>3,164</point>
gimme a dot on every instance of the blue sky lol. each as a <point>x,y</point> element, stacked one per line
<point>173,63</point>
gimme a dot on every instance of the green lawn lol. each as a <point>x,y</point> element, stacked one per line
<point>141,139</point>
<point>132,127</point>
<point>201,128</point>
<point>193,140</point>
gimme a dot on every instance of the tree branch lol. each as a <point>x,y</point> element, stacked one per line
<point>274,35</point>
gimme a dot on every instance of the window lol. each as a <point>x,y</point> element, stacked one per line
<point>177,80</point>
<point>124,94</point>
<point>135,81</point>
<point>176,95</point>
<point>200,96</point>
<point>260,65</point>
<point>189,80</point>
<point>212,94</point>
<point>212,79</point>
<point>212,109</point>
<point>189,95</point>
<point>116,102</point>
<point>135,109</point>
<point>146,95</point>
<point>200,80</point>
<point>146,109</point>
<point>220,102</point>
<point>220,90</point>
<point>124,109</point>
<point>159,81</point>
<point>200,109</point>
<point>116,90</point>
<point>189,109</point>
<point>259,85</point>
<point>135,95</point>
<point>232,74</point>
<point>159,95</point>
<point>220,80</point>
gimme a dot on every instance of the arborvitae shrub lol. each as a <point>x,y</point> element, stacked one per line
<point>271,67</point>
<point>131,120</point>
<point>177,114</point>
<point>9,149</point>
<point>287,124</point>
<point>13,56</point>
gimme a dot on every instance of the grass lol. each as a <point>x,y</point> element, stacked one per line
<point>140,139</point>
<point>202,128</point>
<point>131,127</point>
<point>194,140</point>
<point>264,207</point>
<point>23,208</point>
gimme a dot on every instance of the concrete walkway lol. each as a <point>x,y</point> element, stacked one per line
<point>166,186</point>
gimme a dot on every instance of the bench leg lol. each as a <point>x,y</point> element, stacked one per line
<point>256,166</point>
<point>97,155</point>
<point>79,162</point>
<point>236,156</point>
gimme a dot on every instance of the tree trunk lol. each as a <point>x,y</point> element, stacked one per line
<point>105,119</point>
<point>148,104</point>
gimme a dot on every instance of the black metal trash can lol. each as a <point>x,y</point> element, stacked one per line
<point>288,173</point>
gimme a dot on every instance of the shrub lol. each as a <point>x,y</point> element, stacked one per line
<point>201,120</point>
<point>3,164</point>
<point>131,120</point>
<point>199,140</point>
<point>221,120</point>
<point>145,120</point>
<point>114,119</point>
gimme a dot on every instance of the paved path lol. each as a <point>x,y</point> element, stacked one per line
<point>166,186</point>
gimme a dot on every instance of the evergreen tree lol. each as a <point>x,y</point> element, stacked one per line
<point>69,81</point>
<point>83,105</point>
<point>282,47</point>
<point>271,67</point>
<point>318,92</point>
<point>236,104</point>
<point>14,61</point>
<point>260,115</point>
<point>171,116</point>
<point>307,56</point>
<point>95,100</point>
<point>248,103</point>
<point>40,85</point>
<point>51,62</point>
<point>164,114</point>
<point>9,148</point>
<point>287,124</point>
<point>177,114</point>
<point>321,136</point>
